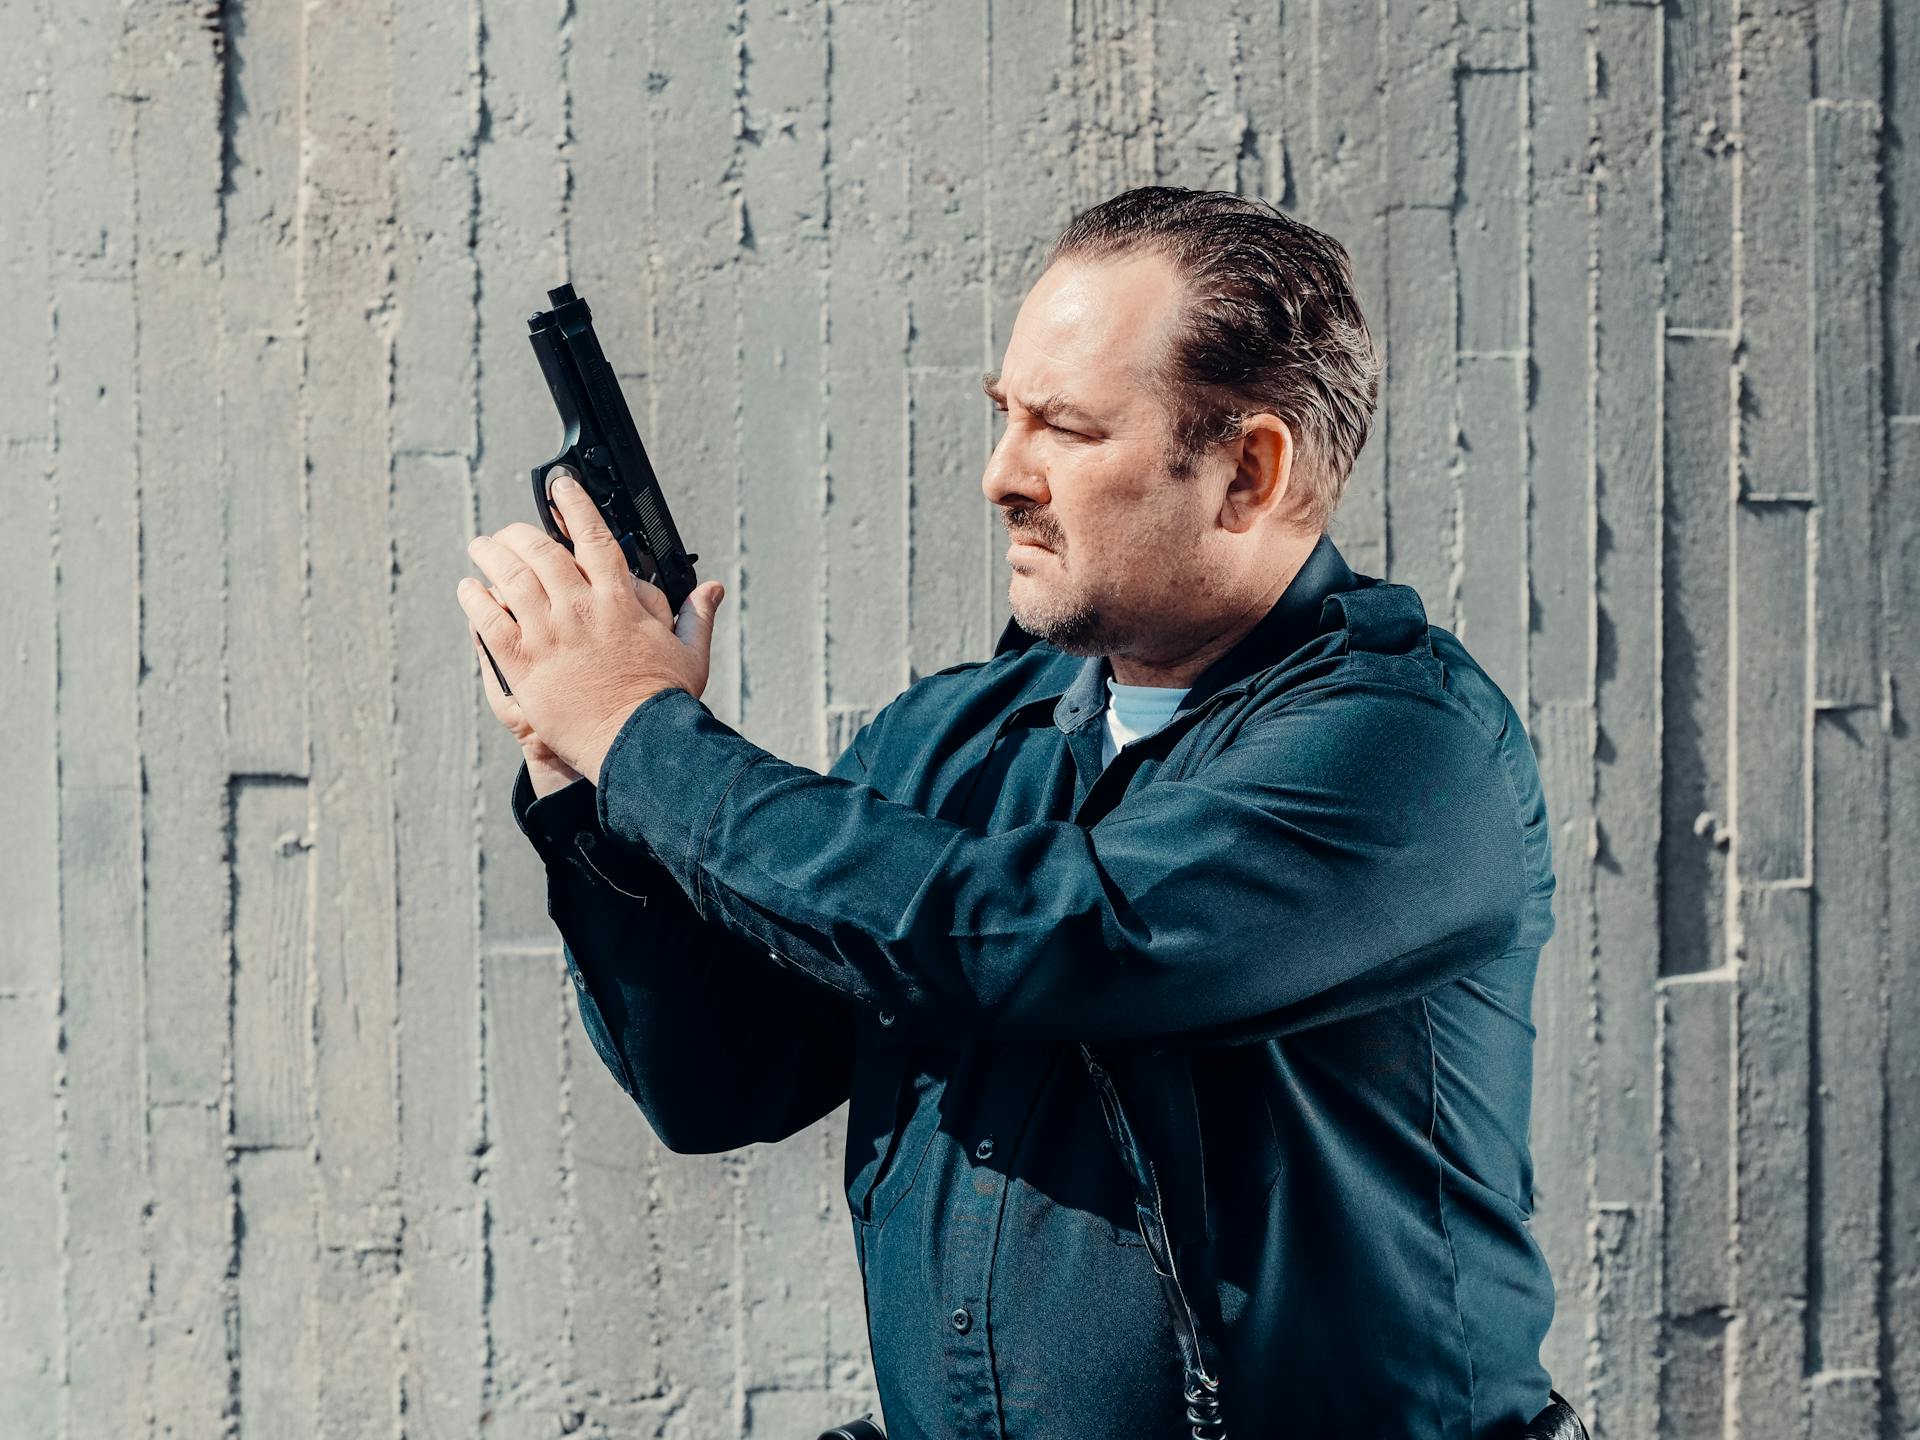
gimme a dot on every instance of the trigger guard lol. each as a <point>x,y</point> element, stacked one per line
<point>544,494</point>
<point>582,471</point>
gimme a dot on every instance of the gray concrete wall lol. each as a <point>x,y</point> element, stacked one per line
<point>302,1136</point>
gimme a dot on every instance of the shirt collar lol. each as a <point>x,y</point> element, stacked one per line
<point>1293,620</point>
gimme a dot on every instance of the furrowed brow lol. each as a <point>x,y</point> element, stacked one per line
<point>1054,407</point>
<point>1057,407</point>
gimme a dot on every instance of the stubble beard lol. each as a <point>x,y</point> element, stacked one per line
<point>1072,625</point>
<point>1075,628</point>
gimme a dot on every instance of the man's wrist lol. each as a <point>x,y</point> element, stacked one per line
<point>594,758</point>
<point>547,773</point>
<point>564,826</point>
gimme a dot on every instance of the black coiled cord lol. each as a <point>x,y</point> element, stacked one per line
<point>1202,1389</point>
<point>1203,1408</point>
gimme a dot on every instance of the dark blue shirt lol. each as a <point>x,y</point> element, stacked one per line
<point>1302,919</point>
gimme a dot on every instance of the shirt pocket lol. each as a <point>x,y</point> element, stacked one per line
<point>890,1127</point>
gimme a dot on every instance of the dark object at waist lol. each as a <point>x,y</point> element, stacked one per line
<point>1557,1422</point>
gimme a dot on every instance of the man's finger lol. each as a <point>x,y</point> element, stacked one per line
<point>510,576</point>
<point>490,620</point>
<point>594,547</point>
<point>546,557</point>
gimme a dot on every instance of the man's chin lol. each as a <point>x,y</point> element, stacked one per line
<point>1073,632</point>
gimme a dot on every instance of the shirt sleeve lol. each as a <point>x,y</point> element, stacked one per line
<point>716,1044</point>
<point>1352,847</point>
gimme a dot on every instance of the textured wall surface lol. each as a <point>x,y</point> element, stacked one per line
<point>302,1136</point>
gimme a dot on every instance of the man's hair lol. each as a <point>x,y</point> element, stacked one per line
<point>1270,325</point>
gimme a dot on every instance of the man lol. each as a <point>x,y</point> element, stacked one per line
<point>1228,813</point>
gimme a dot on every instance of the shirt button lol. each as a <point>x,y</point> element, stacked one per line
<point>886,1017</point>
<point>962,1320</point>
<point>984,1148</point>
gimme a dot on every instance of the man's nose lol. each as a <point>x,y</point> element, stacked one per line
<point>1011,477</point>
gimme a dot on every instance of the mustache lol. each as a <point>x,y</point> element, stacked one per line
<point>1019,527</point>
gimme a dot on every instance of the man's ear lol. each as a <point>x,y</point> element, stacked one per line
<point>1262,481</point>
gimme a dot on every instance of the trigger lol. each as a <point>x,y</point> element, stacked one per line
<point>637,559</point>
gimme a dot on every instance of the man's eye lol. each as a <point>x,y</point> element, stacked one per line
<point>1001,412</point>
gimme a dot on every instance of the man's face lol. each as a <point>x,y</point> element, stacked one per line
<point>1081,466</point>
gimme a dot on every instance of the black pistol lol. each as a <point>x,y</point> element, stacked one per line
<point>603,450</point>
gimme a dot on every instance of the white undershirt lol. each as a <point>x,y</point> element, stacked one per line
<point>1133,711</point>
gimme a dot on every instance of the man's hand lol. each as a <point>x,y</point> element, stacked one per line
<point>546,771</point>
<point>585,643</point>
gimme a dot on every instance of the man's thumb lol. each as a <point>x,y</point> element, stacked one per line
<point>695,624</point>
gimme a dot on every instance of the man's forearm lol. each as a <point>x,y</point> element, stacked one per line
<point>1347,852</point>
<point>716,1044</point>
